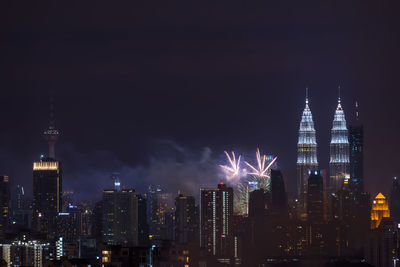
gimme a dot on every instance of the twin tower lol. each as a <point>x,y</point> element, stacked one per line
<point>339,164</point>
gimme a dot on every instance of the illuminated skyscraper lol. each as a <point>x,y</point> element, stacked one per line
<point>339,150</point>
<point>47,194</point>
<point>379,210</point>
<point>216,220</point>
<point>306,154</point>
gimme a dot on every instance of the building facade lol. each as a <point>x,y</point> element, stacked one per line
<point>143,225</point>
<point>24,252</point>
<point>279,202</point>
<point>5,202</point>
<point>186,222</point>
<point>160,206</point>
<point>216,221</point>
<point>395,200</point>
<point>356,139</point>
<point>315,198</point>
<point>120,217</point>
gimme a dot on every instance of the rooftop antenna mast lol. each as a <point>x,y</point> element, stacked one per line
<point>306,95</point>
<point>357,111</point>
<point>51,134</point>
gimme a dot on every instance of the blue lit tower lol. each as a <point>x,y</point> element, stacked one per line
<point>51,133</point>
<point>339,163</point>
<point>306,150</point>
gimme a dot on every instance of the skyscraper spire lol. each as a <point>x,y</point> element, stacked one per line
<point>306,151</point>
<point>51,133</point>
<point>339,149</point>
<point>306,95</point>
<point>357,113</point>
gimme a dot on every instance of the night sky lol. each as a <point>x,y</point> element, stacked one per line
<point>157,90</point>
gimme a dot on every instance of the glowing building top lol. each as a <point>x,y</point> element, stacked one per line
<point>45,165</point>
<point>307,143</point>
<point>379,210</point>
<point>339,132</point>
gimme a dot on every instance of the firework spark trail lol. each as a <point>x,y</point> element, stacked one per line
<point>261,170</point>
<point>233,169</point>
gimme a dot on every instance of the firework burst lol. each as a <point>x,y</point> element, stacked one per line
<point>248,179</point>
<point>232,170</point>
<point>260,170</point>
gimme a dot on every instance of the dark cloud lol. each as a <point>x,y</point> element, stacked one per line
<point>174,168</point>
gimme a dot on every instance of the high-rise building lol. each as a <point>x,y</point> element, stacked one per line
<point>68,225</point>
<point>5,202</point>
<point>143,225</point>
<point>216,221</point>
<point>97,222</point>
<point>120,217</point>
<point>379,210</point>
<point>395,200</point>
<point>47,194</point>
<point>18,198</point>
<point>161,209</point>
<point>339,151</point>
<point>24,252</point>
<point>186,222</point>
<point>382,248</point>
<point>315,198</point>
<point>306,154</point>
<point>356,135</point>
<point>278,192</point>
<point>86,218</point>
<point>22,215</point>
<point>259,202</point>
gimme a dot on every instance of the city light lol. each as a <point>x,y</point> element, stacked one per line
<point>45,165</point>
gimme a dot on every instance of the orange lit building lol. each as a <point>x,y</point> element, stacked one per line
<point>379,210</point>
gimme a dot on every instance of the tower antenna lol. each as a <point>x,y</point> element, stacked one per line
<point>306,95</point>
<point>51,133</point>
<point>52,122</point>
<point>357,111</point>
